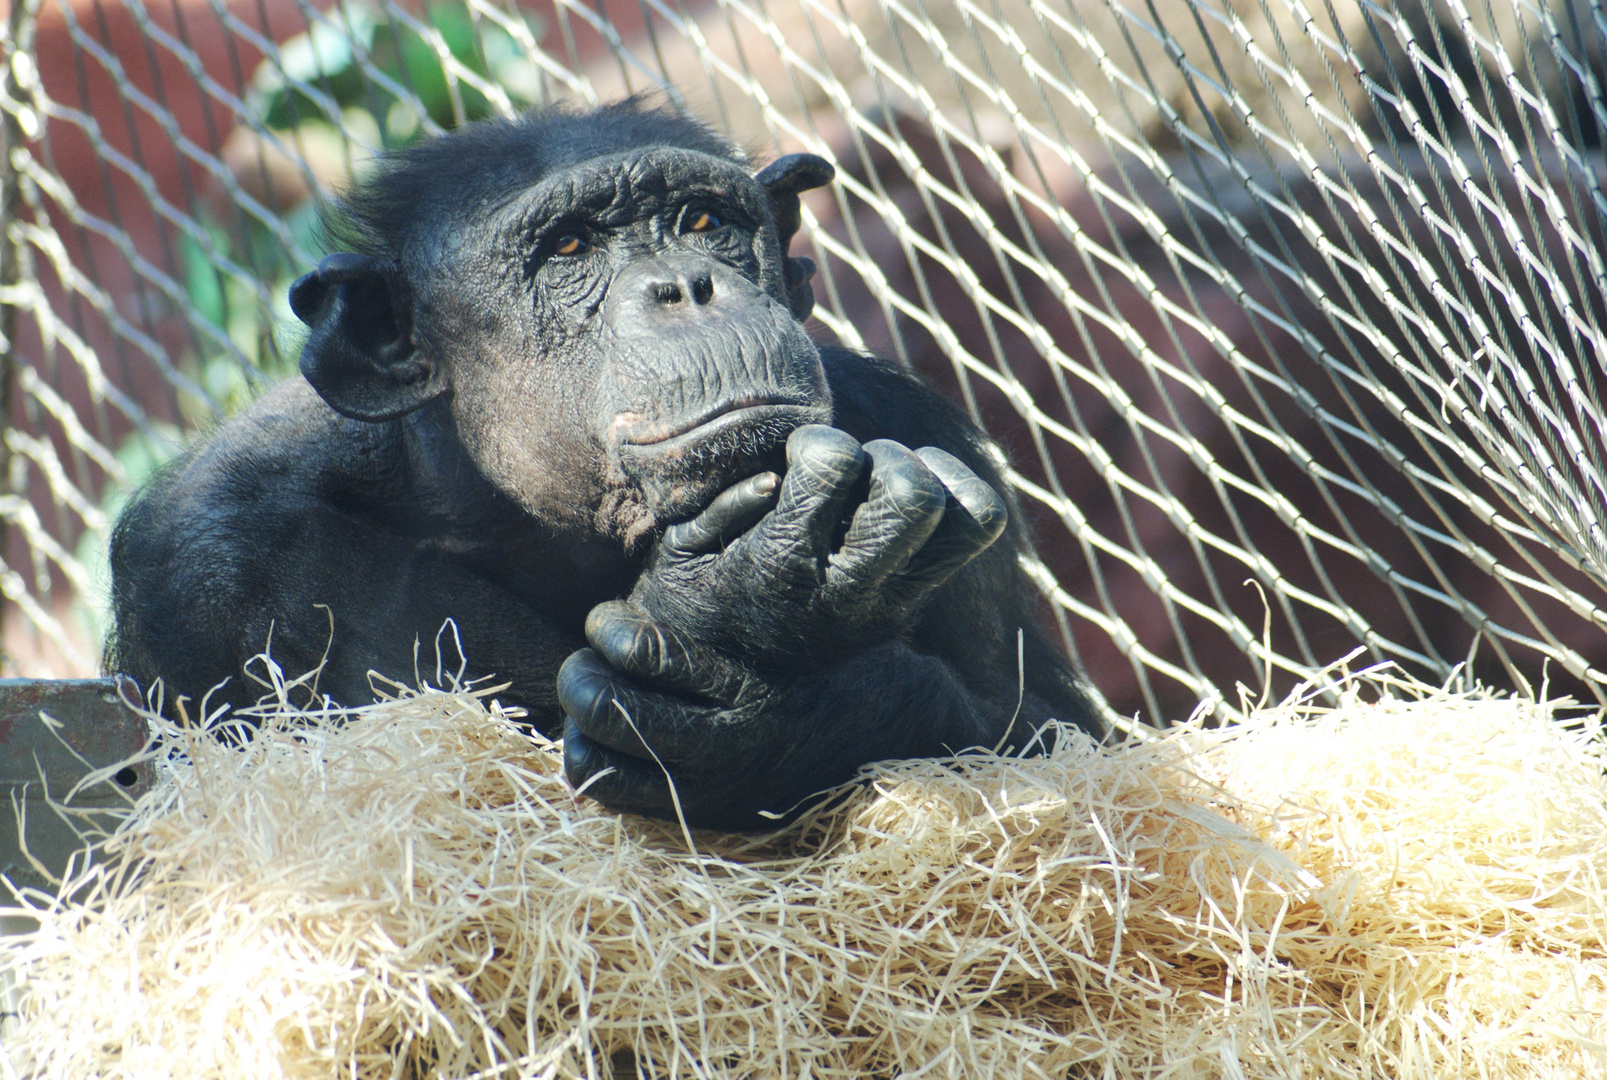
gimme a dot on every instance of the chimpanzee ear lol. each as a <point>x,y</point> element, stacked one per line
<point>784,178</point>
<point>362,356</point>
<point>800,293</point>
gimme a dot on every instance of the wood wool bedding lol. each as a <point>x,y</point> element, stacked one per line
<point>1408,885</point>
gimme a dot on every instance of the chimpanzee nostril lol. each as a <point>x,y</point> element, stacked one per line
<point>665,292</point>
<point>702,288</point>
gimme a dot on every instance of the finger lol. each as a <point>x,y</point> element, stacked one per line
<point>616,780</point>
<point>645,650</point>
<point>631,785</point>
<point>589,694</point>
<point>613,712</point>
<point>824,466</point>
<point>973,519</point>
<point>733,512</point>
<point>903,509</point>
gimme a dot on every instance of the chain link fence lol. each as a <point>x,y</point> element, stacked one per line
<point>1289,315</point>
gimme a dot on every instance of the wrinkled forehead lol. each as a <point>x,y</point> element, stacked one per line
<point>617,188</point>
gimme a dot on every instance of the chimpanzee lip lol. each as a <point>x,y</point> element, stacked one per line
<point>720,418</point>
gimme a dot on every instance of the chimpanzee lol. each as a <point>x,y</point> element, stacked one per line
<point>559,391</point>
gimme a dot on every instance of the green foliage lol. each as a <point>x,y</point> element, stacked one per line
<point>333,85</point>
<point>237,286</point>
<point>363,60</point>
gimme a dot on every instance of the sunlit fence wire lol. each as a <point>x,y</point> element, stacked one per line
<point>1290,315</point>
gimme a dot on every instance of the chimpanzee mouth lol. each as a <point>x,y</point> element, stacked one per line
<point>717,424</point>
<point>677,469</point>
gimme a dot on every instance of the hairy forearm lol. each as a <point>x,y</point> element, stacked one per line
<point>893,702</point>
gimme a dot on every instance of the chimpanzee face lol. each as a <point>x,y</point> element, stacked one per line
<point>657,291</point>
<point>618,341</point>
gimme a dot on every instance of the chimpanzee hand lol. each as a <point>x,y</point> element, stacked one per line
<point>758,659</point>
<point>797,573</point>
<point>647,706</point>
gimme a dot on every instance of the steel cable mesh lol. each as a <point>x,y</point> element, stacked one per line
<point>1304,297</point>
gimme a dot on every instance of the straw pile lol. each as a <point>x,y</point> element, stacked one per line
<point>1412,887</point>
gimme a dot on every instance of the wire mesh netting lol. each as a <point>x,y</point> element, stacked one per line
<point>1291,318</point>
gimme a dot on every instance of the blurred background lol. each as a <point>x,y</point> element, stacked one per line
<point>1289,317</point>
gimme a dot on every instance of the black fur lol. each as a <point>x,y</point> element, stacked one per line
<point>558,391</point>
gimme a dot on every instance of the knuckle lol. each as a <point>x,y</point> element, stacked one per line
<point>877,448</point>
<point>944,463</point>
<point>683,538</point>
<point>586,688</point>
<point>616,641</point>
<point>912,488</point>
<point>979,498</point>
<point>602,700</point>
<point>823,449</point>
<point>993,515</point>
<point>983,503</point>
<point>577,669</point>
<point>647,647</point>
<point>603,618</point>
<point>954,473</point>
<point>582,757</point>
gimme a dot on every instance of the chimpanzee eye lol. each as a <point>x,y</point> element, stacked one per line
<point>571,245</point>
<point>702,221</point>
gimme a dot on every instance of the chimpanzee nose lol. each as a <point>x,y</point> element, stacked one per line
<point>672,289</point>
<point>682,295</point>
